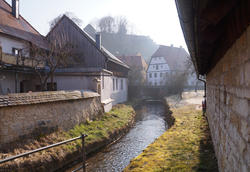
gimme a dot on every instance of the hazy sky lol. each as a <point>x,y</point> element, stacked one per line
<point>155,18</point>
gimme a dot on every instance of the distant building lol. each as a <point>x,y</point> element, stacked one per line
<point>137,66</point>
<point>168,60</point>
<point>95,68</point>
<point>16,35</point>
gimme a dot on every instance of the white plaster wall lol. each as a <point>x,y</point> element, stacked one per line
<point>162,68</point>
<point>7,44</point>
<point>111,96</point>
<point>75,82</point>
<point>120,95</point>
<point>7,82</point>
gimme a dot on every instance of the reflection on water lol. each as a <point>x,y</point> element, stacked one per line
<point>150,124</point>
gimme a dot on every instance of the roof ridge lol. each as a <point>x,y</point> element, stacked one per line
<point>86,35</point>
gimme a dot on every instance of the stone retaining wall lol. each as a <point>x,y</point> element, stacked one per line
<point>31,115</point>
<point>228,106</point>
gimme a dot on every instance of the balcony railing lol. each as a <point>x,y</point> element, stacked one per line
<point>19,61</point>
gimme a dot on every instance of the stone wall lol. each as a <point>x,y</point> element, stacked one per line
<point>228,106</point>
<point>31,115</point>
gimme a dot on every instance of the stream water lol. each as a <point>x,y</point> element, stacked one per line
<point>150,124</point>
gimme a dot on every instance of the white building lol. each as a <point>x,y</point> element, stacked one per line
<point>157,71</point>
<point>165,61</point>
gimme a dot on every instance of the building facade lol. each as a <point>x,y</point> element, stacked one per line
<point>165,61</point>
<point>138,68</point>
<point>16,35</point>
<point>94,67</point>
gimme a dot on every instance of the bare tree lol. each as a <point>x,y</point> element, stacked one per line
<point>175,82</point>
<point>122,25</point>
<point>106,24</point>
<point>57,55</point>
<point>68,14</point>
<point>136,76</point>
<point>118,25</point>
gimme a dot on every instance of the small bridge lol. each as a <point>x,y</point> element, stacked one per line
<point>148,93</point>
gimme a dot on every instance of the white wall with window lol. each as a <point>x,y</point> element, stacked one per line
<point>114,91</point>
<point>10,46</point>
<point>157,71</point>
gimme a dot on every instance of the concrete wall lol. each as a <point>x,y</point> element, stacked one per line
<point>44,112</point>
<point>228,106</point>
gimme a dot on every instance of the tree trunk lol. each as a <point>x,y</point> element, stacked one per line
<point>52,82</point>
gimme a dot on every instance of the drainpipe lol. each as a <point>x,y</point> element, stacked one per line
<point>205,86</point>
<point>204,103</point>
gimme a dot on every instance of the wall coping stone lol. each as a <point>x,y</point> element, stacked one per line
<point>44,97</point>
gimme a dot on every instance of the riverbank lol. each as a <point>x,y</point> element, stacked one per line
<point>186,146</point>
<point>100,132</point>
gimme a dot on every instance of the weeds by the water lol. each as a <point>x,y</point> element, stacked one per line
<point>97,130</point>
<point>187,146</point>
<point>119,117</point>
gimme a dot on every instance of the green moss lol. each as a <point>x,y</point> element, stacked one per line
<point>186,146</point>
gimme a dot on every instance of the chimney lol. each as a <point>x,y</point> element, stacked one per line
<point>98,40</point>
<point>15,8</point>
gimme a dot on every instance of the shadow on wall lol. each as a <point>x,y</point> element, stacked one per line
<point>208,161</point>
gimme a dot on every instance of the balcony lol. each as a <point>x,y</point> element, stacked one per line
<point>19,61</point>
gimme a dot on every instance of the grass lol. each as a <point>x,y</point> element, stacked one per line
<point>99,130</point>
<point>186,146</point>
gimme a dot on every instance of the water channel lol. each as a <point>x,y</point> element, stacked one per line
<point>150,124</point>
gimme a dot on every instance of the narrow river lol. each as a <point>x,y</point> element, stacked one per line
<point>150,124</point>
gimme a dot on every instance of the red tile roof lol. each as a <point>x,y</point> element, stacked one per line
<point>134,61</point>
<point>18,28</point>
<point>175,56</point>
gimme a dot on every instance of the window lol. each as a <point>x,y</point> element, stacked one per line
<point>161,66</point>
<point>155,75</point>
<point>160,74</point>
<point>121,84</point>
<point>16,51</point>
<point>150,83</point>
<point>150,75</point>
<point>117,84</point>
<point>155,83</point>
<point>113,84</point>
<point>102,81</point>
<point>157,67</point>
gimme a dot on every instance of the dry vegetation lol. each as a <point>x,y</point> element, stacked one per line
<point>102,129</point>
<point>186,146</point>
